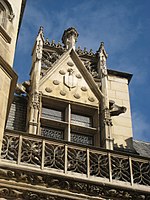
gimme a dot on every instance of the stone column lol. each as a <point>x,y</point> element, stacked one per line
<point>34,96</point>
<point>106,123</point>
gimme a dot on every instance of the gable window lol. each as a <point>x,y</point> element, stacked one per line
<point>65,121</point>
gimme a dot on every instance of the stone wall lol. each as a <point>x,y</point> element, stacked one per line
<point>122,125</point>
<point>9,32</point>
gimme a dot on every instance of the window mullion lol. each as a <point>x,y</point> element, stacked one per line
<point>69,122</point>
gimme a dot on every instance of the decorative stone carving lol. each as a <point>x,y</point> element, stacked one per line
<point>28,195</point>
<point>10,193</point>
<point>53,45</point>
<point>35,101</point>
<point>84,88</point>
<point>84,52</point>
<point>11,17</point>
<point>39,44</point>
<point>28,150</point>
<point>69,37</point>
<point>99,165</point>
<point>116,110</point>
<point>70,64</point>
<point>62,72</point>
<point>91,99</point>
<point>22,88</point>
<point>120,169</point>
<point>70,79</point>
<point>48,58</point>
<point>91,68</point>
<point>56,82</point>
<point>77,96</point>
<point>103,56</point>
<point>63,93</point>
<point>106,116</point>
<point>96,190</point>
<point>77,161</point>
<point>48,89</point>
<point>78,76</point>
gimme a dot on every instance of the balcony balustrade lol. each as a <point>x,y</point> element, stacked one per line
<point>73,160</point>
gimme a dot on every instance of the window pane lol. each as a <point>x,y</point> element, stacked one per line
<point>81,139</point>
<point>81,120</point>
<point>52,133</point>
<point>52,114</point>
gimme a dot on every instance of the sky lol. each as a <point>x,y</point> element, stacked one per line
<point>123,26</point>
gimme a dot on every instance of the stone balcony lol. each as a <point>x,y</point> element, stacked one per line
<point>36,160</point>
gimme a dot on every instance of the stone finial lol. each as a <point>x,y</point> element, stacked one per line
<point>41,31</point>
<point>101,50</point>
<point>69,38</point>
<point>39,43</point>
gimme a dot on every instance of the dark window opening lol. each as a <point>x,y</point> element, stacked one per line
<point>81,120</point>
<point>52,114</point>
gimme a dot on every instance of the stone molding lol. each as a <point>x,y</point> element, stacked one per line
<point>5,35</point>
<point>27,182</point>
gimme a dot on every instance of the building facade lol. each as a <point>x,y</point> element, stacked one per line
<point>68,134</point>
<point>10,20</point>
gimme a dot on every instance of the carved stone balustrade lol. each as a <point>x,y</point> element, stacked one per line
<point>78,162</point>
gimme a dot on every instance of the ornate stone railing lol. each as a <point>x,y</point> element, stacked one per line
<point>72,160</point>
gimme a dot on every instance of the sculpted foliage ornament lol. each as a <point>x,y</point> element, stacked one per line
<point>10,148</point>
<point>46,156</point>
<point>77,161</point>
<point>62,184</point>
<point>31,152</point>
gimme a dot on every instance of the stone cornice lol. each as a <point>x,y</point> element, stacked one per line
<point>128,76</point>
<point>5,35</point>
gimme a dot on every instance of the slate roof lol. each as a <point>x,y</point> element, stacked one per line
<point>143,148</point>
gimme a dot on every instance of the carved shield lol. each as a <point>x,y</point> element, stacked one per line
<point>70,80</point>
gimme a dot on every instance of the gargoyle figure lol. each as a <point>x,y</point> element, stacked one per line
<point>116,110</point>
<point>22,88</point>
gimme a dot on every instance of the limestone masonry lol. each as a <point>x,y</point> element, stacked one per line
<point>66,133</point>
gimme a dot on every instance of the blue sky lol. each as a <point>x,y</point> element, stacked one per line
<point>123,25</point>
